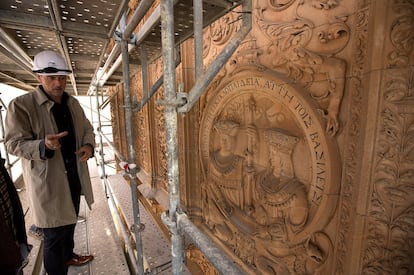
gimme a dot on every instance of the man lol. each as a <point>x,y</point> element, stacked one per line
<point>14,248</point>
<point>48,130</point>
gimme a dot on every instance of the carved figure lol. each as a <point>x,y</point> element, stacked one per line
<point>258,179</point>
<point>281,211</point>
<point>303,47</point>
<point>226,167</point>
<point>224,187</point>
<point>282,203</point>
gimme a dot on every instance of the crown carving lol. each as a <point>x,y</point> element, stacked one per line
<point>281,140</point>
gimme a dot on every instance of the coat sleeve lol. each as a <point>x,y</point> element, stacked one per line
<point>19,137</point>
<point>89,137</point>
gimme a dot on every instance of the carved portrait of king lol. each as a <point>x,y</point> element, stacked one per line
<point>226,168</point>
<point>225,179</point>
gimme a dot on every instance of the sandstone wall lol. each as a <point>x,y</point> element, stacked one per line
<point>298,158</point>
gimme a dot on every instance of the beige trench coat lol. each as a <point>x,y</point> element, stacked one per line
<point>28,120</point>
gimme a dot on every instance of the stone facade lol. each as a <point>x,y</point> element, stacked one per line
<point>299,156</point>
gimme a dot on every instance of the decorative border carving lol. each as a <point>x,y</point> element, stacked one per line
<point>354,132</point>
<point>390,232</point>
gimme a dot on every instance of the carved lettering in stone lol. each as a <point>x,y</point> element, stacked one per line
<point>271,175</point>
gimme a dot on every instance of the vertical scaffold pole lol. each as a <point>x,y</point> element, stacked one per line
<point>132,171</point>
<point>99,130</point>
<point>198,37</point>
<point>167,39</point>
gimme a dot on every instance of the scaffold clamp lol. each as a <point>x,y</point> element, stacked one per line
<point>127,166</point>
<point>169,223</point>
<point>138,227</point>
<point>179,100</point>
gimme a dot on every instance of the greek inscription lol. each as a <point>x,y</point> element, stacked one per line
<point>314,138</point>
<point>304,115</point>
<point>284,93</point>
<point>269,85</point>
<point>316,198</point>
<point>289,105</point>
<point>320,175</point>
<point>319,155</point>
<point>241,83</point>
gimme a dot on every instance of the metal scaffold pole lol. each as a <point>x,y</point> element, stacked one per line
<point>167,39</point>
<point>132,169</point>
<point>130,251</point>
<point>101,151</point>
<point>178,222</point>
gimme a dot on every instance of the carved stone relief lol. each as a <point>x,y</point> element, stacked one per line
<point>254,195</point>
<point>352,147</point>
<point>296,38</point>
<point>270,125</point>
<point>140,128</point>
<point>159,123</point>
<point>118,120</point>
<point>302,44</point>
<point>390,236</point>
<point>271,174</point>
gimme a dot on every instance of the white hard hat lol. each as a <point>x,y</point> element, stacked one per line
<point>50,63</point>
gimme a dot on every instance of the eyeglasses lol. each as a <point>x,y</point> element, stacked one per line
<point>51,70</point>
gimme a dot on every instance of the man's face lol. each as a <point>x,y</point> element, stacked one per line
<point>54,85</point>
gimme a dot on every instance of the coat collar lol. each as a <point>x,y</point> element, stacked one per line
<point>41,97</point>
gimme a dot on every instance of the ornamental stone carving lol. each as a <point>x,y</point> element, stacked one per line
<point>271,174</point>
<point>301,42</point>
<point>389,248</point>
<point>352,143</point>
<point>298,158</point>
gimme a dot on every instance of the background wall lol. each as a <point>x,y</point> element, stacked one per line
<point>338,76</point>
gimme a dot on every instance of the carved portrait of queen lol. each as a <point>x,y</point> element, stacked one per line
<point>281,197</point>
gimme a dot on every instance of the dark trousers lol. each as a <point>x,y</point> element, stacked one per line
<point>58,244</point>
<point>58,247</point>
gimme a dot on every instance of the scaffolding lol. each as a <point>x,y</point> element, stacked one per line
<point>174,102</point>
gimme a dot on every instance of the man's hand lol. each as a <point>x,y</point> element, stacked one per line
<point>52,140</point>
<point>85,152</point>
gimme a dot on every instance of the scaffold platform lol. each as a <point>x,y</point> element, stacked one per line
<point>96,233</point>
